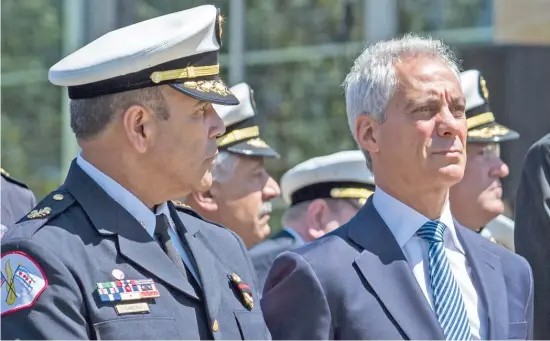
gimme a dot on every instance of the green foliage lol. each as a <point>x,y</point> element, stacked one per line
<point>31,120</point>
<point>301,104</point>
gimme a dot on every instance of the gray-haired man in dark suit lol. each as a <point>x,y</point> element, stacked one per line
<point>401,268</point>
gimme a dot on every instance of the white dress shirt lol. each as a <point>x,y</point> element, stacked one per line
<point>403,221</point>
<point>136,208</point>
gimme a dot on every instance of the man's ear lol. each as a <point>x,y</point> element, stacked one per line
<point>316,216</point>
<point>140,126</point>
<point>206,201</point>
<point>365,133</point>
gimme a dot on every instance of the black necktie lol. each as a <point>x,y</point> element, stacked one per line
<point>163,238</point>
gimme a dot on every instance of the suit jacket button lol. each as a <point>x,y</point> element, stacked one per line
<point>215,326</point>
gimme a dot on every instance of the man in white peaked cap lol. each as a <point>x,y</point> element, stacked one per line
<point>242,190</point>
<point>108,255</point>
<point>323,193</point>
<point>476,201</point>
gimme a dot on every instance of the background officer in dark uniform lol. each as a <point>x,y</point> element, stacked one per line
<point>107,255</point>
<point>532,234</point>
<point>476,201</point>
<point>242,190</point>
<point>323,193</point>
<point>17,199</point>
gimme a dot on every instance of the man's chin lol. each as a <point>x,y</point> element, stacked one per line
<point>452,174</point>
<point>494,208</point>
<point>264,231</point>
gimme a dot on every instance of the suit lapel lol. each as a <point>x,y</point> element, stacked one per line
<point>135,244</point>
<point>386,270</point>
<point>487,269</point>
<point>189,230</point>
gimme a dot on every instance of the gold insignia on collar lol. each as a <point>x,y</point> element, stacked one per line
<point>484,90</point>
<point>41,213</point>
<point>4,172</point>
<point>180,204</point>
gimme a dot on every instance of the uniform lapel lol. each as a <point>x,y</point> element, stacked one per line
<point>487,269</point>
<point>135,244</point>
<point>189,229</point>
<point>385,268</point>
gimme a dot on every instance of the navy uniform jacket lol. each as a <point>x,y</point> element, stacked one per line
<point>265,253</point>
<point>17,199</point>
<point>78,235</point>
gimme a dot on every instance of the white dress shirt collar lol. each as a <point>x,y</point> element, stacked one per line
<point>123,197</point>
<point>403,221</point>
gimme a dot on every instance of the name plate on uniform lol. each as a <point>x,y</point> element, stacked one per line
<point>132,308</point>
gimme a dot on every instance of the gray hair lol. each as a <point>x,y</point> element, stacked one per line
<point>372,82</point>
<point>90,116</point>
<point>224,166</point>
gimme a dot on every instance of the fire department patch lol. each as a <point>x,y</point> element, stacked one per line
<point>23,281</point>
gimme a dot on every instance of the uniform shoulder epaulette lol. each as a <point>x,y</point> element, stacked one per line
<point>182,207</point>
<point>53,204</point>
<point>8,177</point>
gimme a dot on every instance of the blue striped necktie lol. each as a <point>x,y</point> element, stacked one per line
<point>448,302</point>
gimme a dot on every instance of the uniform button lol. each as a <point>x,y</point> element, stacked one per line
<point>215,326</point>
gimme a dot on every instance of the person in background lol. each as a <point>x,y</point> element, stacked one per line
<point>17,200</point>
<point>532,233</point>
<point>242,189</point>
<point>323,193</point>
<point>476,201</point>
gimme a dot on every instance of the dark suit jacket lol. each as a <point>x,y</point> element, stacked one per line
<point>265,253</point>
<point>17,200</point>
<point>87,235</point>
<point>355,283</point>
<point>532,232</point>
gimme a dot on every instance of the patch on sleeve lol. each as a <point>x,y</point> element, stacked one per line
<point>23,281</point>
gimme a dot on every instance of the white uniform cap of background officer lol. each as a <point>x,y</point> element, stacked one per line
<point>482,125</point>
<point>179,49</point>
<point>242,130</point>
<point>342,175</point>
